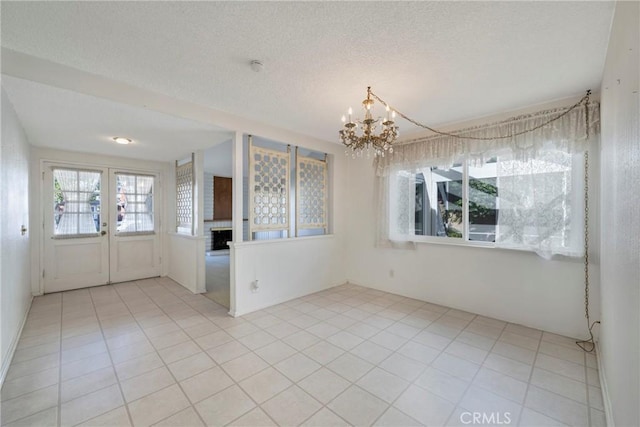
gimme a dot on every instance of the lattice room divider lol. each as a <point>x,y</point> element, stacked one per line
<point>268,189</point>
<point>311,193</point>
<point>185,185</point>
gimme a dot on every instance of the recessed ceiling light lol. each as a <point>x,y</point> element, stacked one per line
<point>122,140</point>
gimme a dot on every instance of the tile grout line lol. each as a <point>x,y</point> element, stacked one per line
<point>59,408</point>
<point>457,404</point>
<point>586,380</point>
<point>533,366</point>
<point>428,365</point>
<point>235,383</point>
<point>165,365</point>
<point>113,366</point>
<point>298,351</point>
<point>191,404</point>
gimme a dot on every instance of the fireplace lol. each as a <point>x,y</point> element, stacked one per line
<point>219,238</point>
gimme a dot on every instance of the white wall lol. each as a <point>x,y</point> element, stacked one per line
<point>186,263</point>
<point>514,286</point>
<point>620,268</point>
<point>285,269</point>
<point>40,155</point>
<point>15,283</point>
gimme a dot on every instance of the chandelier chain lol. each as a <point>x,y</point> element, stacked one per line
<point>583,100</point>
<point>587,345</point>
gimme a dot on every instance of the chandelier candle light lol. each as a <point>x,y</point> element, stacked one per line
<point>368,140</point>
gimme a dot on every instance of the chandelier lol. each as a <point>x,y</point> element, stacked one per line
<point>360,135</point>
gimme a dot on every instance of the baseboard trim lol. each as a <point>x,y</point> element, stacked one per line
<point>14,345</point>
<point>608,412</point>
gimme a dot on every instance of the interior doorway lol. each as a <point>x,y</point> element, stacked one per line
<point>218,221</point>
<point>100,226</point>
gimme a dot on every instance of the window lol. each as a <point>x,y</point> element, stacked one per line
<point>534,204</point>
<point>438,203</point>
<point>134,203</point>
<point>76,207</point>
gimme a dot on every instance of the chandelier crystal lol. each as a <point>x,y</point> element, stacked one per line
<point>360,135</point>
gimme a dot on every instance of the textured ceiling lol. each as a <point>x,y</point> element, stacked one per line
<point>68,120</point>
<point>439,62</point>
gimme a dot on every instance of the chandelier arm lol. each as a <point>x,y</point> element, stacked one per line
<point>584,100</point>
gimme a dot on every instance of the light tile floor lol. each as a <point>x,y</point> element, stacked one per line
<point>151,353</point>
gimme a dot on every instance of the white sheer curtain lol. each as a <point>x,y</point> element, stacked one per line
<point>144,190</point>
<point>567,134</point>
<point>540,199</point>
<point>403,207</point>
<point>541,203</point>
<point>77,188</point>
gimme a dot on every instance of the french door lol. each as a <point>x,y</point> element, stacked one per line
<point>100,226</point>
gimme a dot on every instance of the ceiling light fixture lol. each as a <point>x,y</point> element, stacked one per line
<point>122,140</point>
<point>367,139</point>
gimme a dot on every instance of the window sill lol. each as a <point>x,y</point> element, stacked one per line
<point>451,241</point>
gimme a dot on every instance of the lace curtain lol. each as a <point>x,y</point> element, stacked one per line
<point>540,190</point>
<point>77,188</point>
<point>541,203</point>
<point>568,134</point>
<point>136,197</point>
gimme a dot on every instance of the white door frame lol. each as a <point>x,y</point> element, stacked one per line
<point>41,210</point>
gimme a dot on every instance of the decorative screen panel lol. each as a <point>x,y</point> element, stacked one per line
<point>184,196</point>
<point>311,189</point>
<point>268,189</point>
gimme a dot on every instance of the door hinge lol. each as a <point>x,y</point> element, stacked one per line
<point>43,273</point>
<point>43,176</point>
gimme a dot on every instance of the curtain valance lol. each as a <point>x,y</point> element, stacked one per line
<point>567,134</point>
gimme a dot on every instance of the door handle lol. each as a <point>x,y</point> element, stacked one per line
<point>102,233</point>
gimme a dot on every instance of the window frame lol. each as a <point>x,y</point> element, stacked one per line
<point>464,240</point>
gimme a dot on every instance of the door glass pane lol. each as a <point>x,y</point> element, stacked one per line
<point>134,203</point>
<point>76,202</point>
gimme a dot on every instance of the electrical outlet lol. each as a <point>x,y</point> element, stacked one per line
<point>392,273</point>
<point>255,287</point>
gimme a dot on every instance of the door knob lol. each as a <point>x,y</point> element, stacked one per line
<point>102,233</point>
<point>23,230</point>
